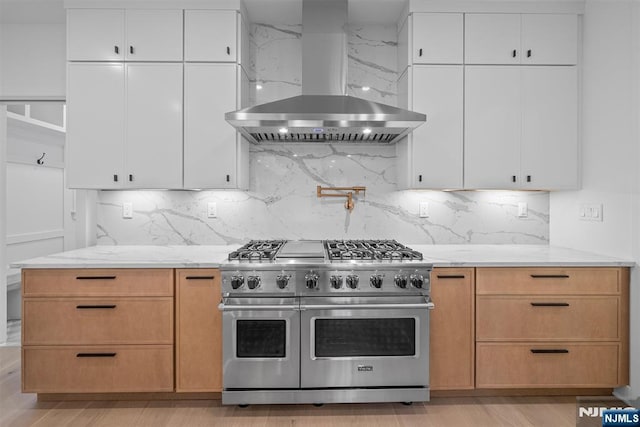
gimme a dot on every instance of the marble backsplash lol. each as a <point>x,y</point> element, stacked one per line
<point>282,202</point>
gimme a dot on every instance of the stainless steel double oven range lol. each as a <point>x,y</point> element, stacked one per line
<point>328,321</point>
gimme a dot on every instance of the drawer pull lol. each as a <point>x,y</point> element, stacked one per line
<point>452,276</point>
<point>89,307</point>
<point>200,277</point>
<point>550,304</point>
<point>549,351</point>
<point>550,276</point>
<point>95,278</point>
<point>96,354</point>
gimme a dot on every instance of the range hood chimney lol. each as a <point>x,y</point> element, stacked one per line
<point>324,113</point>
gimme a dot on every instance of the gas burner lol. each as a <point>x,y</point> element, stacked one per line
<point>257,250</point>
<point>383,250</point>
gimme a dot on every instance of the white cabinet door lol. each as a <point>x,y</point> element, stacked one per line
<point>210,35</point>
<point>153,151</point>
<point>549,39</point>
<point>95,126</point>
<point>492,38</point>
<point>95,35</point>
<point>492,127</point>
<point>210,142</point>
<point>154,35</point>
<point>437,38</point>
<point>437,144</point>
<point>549,128</point>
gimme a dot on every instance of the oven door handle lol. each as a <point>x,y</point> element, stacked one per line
<point>428,305</point>
<point>258,307</point>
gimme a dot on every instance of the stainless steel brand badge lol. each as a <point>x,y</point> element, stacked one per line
<point>365,368</point>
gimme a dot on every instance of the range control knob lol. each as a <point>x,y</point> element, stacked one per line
<point>336,282</point>
<point>311,280</point>
<point>417,281</point>
<point>282,280</point>
<point>376,280</point>
<point>253,282</point>
<point>237,281</point>
<point>400,280</point>
<point>352,281</point>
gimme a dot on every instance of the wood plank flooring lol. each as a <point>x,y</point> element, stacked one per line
<point>18,409</point>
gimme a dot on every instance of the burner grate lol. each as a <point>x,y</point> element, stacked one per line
<point>383,250</point>
<point>257,250</point>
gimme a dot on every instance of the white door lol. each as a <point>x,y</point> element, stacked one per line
<point>154,35</point>
<point>95,35</point>
<point>549,39</point>
<point>210,142</point>
<point>492,38</point>
<point>437,38</point>
<point>95,127</point>
<point>153,151</point>
<point>492,127</point>
<point>210,35</point>
<point>549,128</point>
<point>437,144</point>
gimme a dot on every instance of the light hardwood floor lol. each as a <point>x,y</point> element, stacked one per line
<point>17,409</point>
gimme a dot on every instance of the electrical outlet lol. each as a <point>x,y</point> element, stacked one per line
<point>523,210</point>
<point>424,209</point>
<point>127,210</point>
<point>212,210</point>
<point>590,212</point>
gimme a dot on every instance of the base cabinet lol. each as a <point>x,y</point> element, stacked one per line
<point>198,331</point>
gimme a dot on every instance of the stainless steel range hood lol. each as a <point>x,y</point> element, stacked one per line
<point>324,113</point>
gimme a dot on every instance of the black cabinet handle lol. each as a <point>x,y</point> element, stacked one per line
<point>131,50</point>
<point>549,351</point>
<point>96,354</point>
<point>115,178</point>
<point>200,277</point>
<point>95,307</point>
<point>420,52</point>
<point>529,53</point>
<point>116,49</point>
<point>228,178</point>
<point>513,53</point>
<point>528,178</point>
<point>130,178</point>
<point>513,178</point>
<point>550,304</point>
<point>419,178</point>
<point>228,50</point>
<point>549,276</point>
<point>451,276</point>
<point>95,277</point>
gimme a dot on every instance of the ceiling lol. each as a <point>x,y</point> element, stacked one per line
<point>264,11</point>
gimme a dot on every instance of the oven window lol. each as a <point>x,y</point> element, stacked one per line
<point>365,337</point>
<point>261,338</point>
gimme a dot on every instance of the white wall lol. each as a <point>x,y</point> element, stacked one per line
<point>610,151</point>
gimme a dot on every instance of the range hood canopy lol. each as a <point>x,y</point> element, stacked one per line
<point>324,113</point>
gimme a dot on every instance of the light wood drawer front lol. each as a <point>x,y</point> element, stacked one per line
<point>98,282</point>
<point>85,321</point>
<point>109,369</point>
<point>534,318</point>
<point>516,366</point>
<point>548,281</point>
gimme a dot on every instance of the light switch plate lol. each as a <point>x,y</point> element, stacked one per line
<point>212,210</point>
<point>127,210</point>
<point>424,209</point>
<point>523,210</point>
<point>590,212</point>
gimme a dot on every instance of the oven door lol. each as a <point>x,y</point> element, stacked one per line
<point>261,343</point>
<point>365,342</point>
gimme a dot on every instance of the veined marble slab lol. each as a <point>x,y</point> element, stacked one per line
<point>176,256</point>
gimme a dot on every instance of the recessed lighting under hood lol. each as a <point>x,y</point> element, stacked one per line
<point>323,113</point>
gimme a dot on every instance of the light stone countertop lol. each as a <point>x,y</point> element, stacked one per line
<point>178,256</point>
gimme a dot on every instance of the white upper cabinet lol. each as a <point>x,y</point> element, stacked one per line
<point>95,35</point>
<point>437,38</point>
<point>521,39</point>
<point>118,35</point>
<point>154,35</point>
<point>211,35</point>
